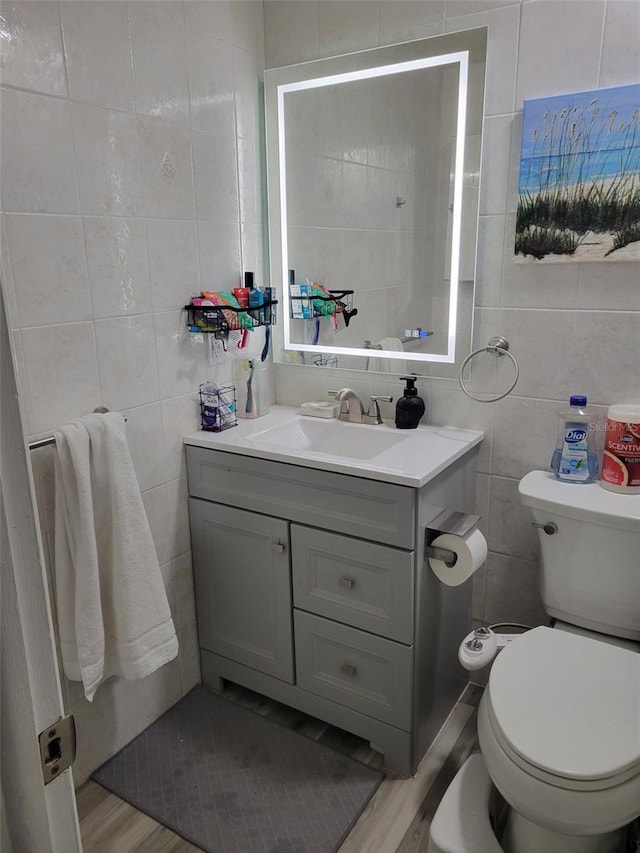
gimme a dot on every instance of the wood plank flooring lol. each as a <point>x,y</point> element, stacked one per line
<point>396,819</point>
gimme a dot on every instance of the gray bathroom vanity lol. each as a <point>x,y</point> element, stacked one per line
<point>311,581</point>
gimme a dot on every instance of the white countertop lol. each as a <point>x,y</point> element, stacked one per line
<point>405,457</point>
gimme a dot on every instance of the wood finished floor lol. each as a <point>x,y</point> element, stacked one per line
<point>396,820</point>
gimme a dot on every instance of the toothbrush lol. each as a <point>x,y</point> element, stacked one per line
<point>249,404</point>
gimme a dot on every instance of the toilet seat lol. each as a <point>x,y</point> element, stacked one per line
<point>564,754</point>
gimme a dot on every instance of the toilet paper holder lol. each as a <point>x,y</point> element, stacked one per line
<point>447,521</point>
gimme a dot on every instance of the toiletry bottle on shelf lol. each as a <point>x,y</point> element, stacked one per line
<point>575,458</point>
<point>242,293</point>
<point>409,408</point>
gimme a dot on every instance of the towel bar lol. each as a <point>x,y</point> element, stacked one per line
<point>44,442</point>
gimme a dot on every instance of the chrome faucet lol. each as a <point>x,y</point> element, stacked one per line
<point>350,405</point>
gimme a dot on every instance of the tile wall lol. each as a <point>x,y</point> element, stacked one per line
<point>575,328</point>
<point>131,178</point>
<point>352,151</point>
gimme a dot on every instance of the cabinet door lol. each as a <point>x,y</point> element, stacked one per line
<point>243,588</point>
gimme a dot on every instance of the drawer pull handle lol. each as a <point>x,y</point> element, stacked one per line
<point>347,583</point>
<point>348,670</point>
<point>278,547</point>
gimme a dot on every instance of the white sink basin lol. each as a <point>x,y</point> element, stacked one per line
<point>409,457</point>
<point>333,437</point>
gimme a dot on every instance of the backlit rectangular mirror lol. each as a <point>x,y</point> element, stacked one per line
<point>373,164</point>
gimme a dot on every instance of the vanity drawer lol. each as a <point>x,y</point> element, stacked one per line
<point>362,584</point>
<point>382,512</point>
<point>370,674</point>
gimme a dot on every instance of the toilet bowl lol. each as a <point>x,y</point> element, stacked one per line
<point>559,722</point>
<point>559,731</point>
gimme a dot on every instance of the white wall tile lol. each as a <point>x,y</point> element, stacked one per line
<point>605,355</point>
<point>178,576</point>
<point>32,56</point>
<point>189,657</point>
<point>247,22</point>
<point>489,260</point>
<point>621,47</point>
<point>502,50</point>
<point>48,260</point>
<point>118,267</point>
<point>496,152</point>
<point>211,84</point>
<point>247,73</point>
<point>62,373</point>
<point>346,25</point>
<point>127,361</point>
<point>525,434</point>
<point>159,59</point>
<point>98,58</point>
<point>167,169</point>
<point>550,32</point>
<point>455,8</point>
<point>539,284</point>
<point>219,253</point>
<point>145,436</point>
<point>290,32</point>
<point>404,20</point>
<point>108,166</point>
<point>181,357</point>
<point>450,407</point>
<point>509,529</point>
<point>180,417</point>
<point>37,160</point>
<point>250,180</point>
<point>166,508</point>
<point>609,286</point>
<point>209,20</point>
<point>216,176</point>
<point>511,592</point>
<point>541,342</point>
<point>173,262</point>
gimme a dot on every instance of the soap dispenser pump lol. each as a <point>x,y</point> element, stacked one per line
<point>410,407</point>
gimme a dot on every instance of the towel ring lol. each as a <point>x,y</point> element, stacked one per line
<point>497,346</point>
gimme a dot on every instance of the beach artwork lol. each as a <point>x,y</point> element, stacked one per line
<point>579,184</point>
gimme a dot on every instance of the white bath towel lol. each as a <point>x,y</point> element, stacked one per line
<point>113,613</point>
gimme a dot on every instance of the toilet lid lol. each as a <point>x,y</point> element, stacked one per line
<point>569,705</point>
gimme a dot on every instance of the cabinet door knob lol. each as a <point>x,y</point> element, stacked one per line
<point>347,583</point>
<point>278,547</point>
<point>346,669</point>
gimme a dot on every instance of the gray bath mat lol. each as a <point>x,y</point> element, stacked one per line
<point>231,781</point>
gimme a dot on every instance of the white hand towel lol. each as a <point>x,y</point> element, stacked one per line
<point>384,364</point>
<point>113,613</point>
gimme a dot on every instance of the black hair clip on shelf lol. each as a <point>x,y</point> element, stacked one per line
<point>309,302</point>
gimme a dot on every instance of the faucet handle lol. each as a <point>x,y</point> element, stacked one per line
<point>373,415</point>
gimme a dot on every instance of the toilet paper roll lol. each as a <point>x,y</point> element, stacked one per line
<point>470,551</point>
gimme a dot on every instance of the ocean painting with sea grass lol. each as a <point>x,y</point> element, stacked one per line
<point>579,182</point>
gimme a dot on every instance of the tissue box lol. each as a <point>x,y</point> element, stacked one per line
<point>320,409</point>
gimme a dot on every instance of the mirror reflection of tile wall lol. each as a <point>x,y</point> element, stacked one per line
<point>370,155</point>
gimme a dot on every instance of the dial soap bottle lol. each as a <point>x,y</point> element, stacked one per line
<point>409,408</point>
<point>575,459</point>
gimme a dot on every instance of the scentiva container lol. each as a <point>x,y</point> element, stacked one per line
<point>621,458</point>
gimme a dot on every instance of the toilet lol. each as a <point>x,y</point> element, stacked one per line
<point>559,721</point>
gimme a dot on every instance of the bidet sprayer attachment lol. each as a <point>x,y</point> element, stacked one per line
<point>480,647</point>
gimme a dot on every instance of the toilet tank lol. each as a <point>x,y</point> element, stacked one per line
<point>590,566</point>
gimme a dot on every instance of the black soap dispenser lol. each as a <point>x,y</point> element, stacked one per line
<point>410,407</point>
